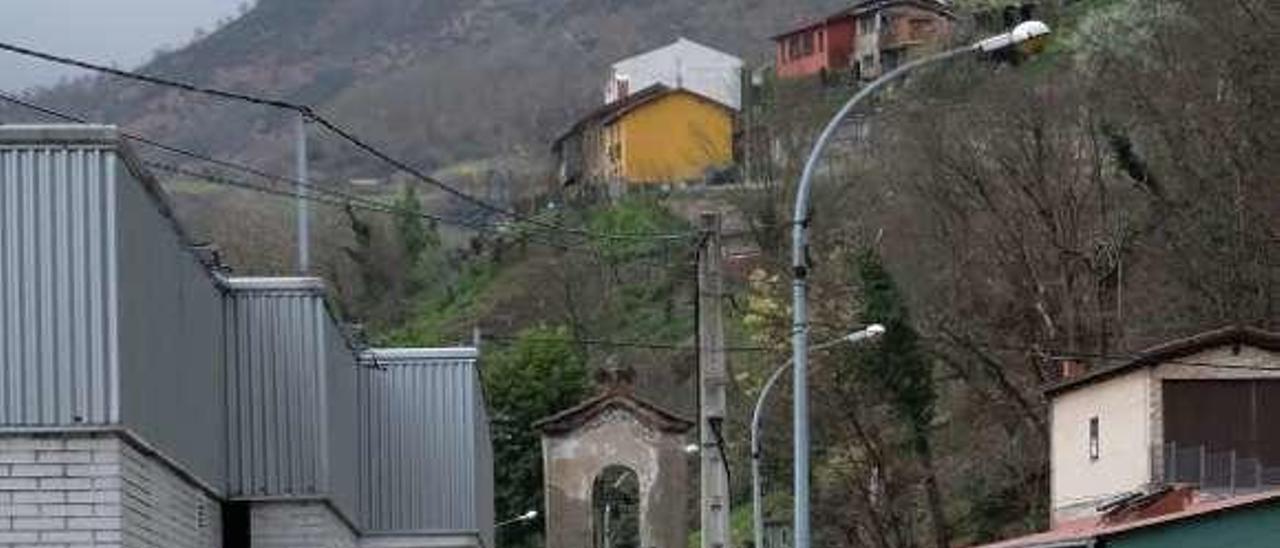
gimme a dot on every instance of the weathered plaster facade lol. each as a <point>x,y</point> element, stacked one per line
<point>616,429</point>
<point>1128,402</point>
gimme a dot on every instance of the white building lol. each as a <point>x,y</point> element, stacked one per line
<point>1192,411</point>
<point>683,64</point>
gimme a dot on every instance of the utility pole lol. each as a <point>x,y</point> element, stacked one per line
<point>712,379</point>
<point>304,211</point>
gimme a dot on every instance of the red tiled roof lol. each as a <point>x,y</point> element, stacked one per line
<point>1082,530</point>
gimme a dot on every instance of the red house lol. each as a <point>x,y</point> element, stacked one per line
<point>817,47</point>
<point>867,38</point>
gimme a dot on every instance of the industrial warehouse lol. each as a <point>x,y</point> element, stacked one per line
<point>149,400</point>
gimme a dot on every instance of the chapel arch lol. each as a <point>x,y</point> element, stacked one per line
<point>616,471</point>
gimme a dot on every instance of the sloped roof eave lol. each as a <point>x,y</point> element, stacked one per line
<point>1172,350</point>
<point>859,9</point>
<point>603,112</point>
<point>647,413</point>
<point>620,113</point>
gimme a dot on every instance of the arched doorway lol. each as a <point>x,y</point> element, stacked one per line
<point>616,472</point>
<point>615,507</point>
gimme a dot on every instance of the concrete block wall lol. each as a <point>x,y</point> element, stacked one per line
<point>290,524</point>
<point>98,490</point>
<point>162,509</point>
<point>57,491</point>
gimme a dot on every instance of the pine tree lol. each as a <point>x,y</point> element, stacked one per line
<point>902,370</point>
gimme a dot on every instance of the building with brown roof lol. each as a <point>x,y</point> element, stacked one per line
<point>1193,410</point>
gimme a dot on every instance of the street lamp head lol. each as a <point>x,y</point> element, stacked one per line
<point>527,516</point>
<point>870,332</point>
<point>1028,36</point>
<point>1029,30</point>
<point>691,449</point>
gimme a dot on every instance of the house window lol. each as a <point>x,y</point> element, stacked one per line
<point>1094,450</point>
<point>806,44</point>
<point>821,35</point>
<point>794,45</point>
<point>867,25</point>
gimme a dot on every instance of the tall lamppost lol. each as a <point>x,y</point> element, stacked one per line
<point>757,506</point>
<point>1030,33</point>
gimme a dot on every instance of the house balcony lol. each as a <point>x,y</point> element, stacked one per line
<point>894,39</point>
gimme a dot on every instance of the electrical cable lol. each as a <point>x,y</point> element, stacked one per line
<point>343,133</point>
<point>339,199</point>
<point>376,208</point>
<point>615,343</point>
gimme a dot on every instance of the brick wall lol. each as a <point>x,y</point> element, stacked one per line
<point>59,491</point>
<point>72,491</point>
<point>161,509</point>
<point>298,525</point>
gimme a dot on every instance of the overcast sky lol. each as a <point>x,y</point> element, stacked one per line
<point>124,32</point>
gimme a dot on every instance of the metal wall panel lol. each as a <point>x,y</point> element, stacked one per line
<point>56,259</point>
<point>342,407</point>
<point>483,467</point>
<point>170,333</point>
<point>424,437</point>
<point>276,377</point>
<point>106,316</point>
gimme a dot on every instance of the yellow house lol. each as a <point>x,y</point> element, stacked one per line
<point>657,135</point>
<point>673,135</point>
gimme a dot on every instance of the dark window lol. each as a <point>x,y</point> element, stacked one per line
<point>821,35</point>
<point>890,60</point>
<point>1094,449</point>
<point>794,45</point>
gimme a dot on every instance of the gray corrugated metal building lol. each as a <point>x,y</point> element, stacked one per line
<point>399,388</point>
<point>245,387</point>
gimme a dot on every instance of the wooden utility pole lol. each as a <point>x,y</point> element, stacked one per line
<point>712,380</point>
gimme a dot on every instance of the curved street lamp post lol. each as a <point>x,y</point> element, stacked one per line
<point>1028,34</point>
<point>757,505</point>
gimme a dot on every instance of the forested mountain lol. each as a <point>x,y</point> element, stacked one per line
<point>1118,191</point>
<point>434,81</point>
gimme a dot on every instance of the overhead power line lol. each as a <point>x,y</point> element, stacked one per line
<point>615,343</point>
<point>324,195</point>
<point>221,163</point>
<point>374,207</point>
<point>331,197</point>
<point>343,133</point>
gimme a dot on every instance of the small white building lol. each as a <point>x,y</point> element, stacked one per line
<point>1192,411</point>
<point>683,64</point>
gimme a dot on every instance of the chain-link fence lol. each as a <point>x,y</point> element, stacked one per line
<point>1217,471</point>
